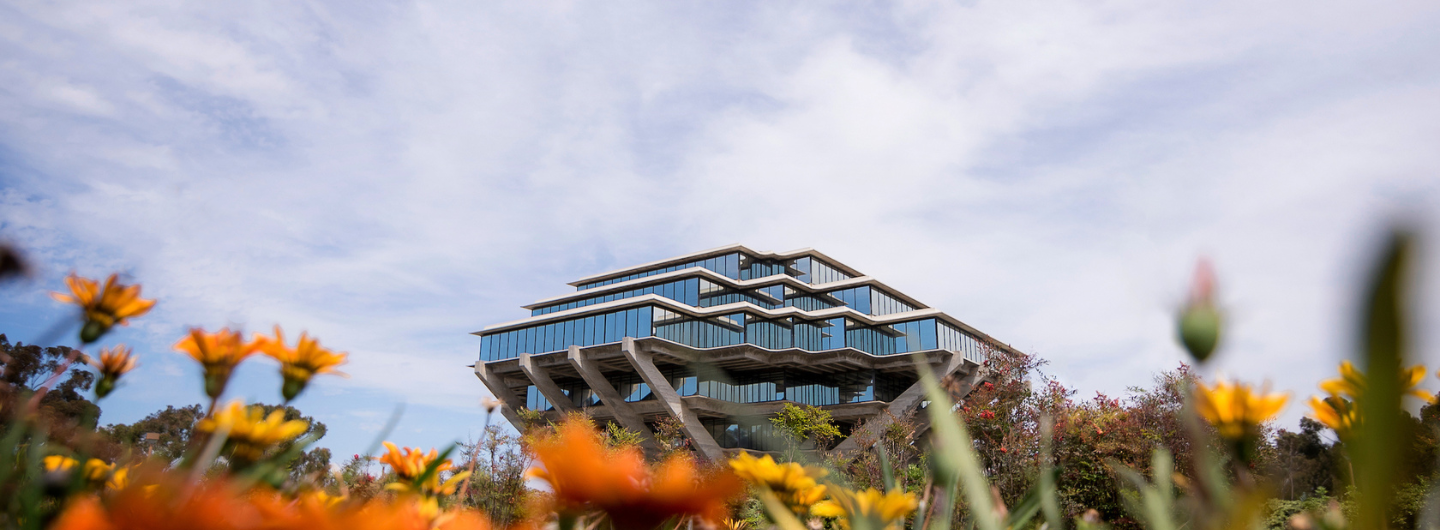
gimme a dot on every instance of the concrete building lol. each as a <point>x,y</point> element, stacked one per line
<point>721,340</point>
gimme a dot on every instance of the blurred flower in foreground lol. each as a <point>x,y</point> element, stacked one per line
<point>114,362</point>
<point>119,479</point>
<point>218,352</point>
<point>880,510</point>
<point>96,471</point>
<point>12,262</point>
<point>104,307</point>
<point>55,463</point>
<point>792,483</point>
<point>1337,413</point>
<point>410,465</point>
<point>1237,409</point>
<point>490,404</point>
<point>1351,383</point>
<point>1200,321</point>
<point>585,474</point>
<point>220,505</point>
<point>252,432</point>
<point>299,364</point>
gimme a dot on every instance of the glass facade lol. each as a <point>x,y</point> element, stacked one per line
<point>758,386</point>
<point>684,291</point>
<point>727,265</point>
<point>741,266</point>
<point>699,292</point>
<point>589,330</point>
<point>756,433</point>
<point>729,330</point>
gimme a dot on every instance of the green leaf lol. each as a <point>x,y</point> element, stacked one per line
<point>955,453</point>
<point>886,470</point>
<point>1384,345</point>
<point>1049,496</point>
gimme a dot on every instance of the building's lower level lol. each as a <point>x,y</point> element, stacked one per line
<point>723,396</point>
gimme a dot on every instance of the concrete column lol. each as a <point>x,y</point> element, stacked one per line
<point>624,414</point>
<point>545,385</point>
<point>909,399</point>
<point>644,363</point>
<point>502,392</point>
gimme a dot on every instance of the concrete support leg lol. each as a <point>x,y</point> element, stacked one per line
<point>903,403</point>
<point>502,392</point>
<point>962,387</point>
<point>644,364</point>
<point>624,414</point>
<point>547,387</point>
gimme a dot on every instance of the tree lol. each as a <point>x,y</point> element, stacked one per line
<point>1303,463</point>
<point>670,436</point>
<point>497,484</point>
<point>175,426</point>
<point>27,367</point>
<point>895,441</point>
<point>806,423</point>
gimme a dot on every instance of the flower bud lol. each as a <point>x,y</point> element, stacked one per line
<point>1200,321</point>
<point>215,383</point>
<point>292,387</point>
<point>92,331</point>
<point>104,386</point>
<point>1200,331</point>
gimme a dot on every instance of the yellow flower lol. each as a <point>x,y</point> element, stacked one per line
<point>119,479</point>
<point>96,471</point>
<point>320,499</point>
<point>252,432</point>
<point>300,363</point>
<point>1336,413</point>
<point>113,363</point>
<point>1236,409</point>
<point>55,463</point>
<point>218,353</point>
<point>1351,383</point>
<point>792,483</point>
<point>883,510</point>
<point>104,306</point>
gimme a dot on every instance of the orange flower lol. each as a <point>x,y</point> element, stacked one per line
<point>114,362</point>
<point>409,464</point>
<point>216,505</point>
<point>583,473</point>
<point>299,364</point>
<point>104,307</point>
<point>218,352</point>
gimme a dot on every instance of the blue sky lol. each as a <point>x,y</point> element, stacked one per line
<point>393,176</point>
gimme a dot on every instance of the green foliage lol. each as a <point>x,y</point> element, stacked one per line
<point>530,418</point>
<point>805,423</point>
<point>617,436</point>
<point>497,485</point>
<point>1281,510</point>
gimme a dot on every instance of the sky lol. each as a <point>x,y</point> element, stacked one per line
<point>392,176</point>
